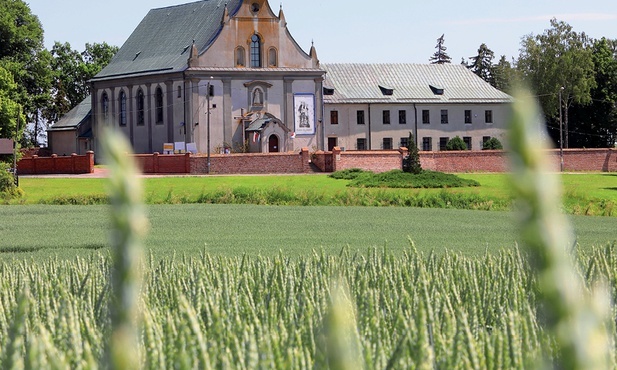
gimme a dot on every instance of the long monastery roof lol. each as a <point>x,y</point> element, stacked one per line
<point>408,83</point>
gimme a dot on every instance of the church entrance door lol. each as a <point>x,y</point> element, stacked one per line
<point>273,144</point>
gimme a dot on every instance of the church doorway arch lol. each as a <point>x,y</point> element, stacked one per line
<point>273,144</point>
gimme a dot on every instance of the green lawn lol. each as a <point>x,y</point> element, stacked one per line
<point>40,231</point>
<point>584,194</point>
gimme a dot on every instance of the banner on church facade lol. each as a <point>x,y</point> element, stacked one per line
<point>304,113</point>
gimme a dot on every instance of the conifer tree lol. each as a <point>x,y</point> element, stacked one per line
<point>482,64</point>
<point>440,56</point>
<point>411,163</point>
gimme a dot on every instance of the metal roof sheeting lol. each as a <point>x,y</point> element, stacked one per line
<point>75,117</point>
<point>163,39</point>
<point>412,83</point>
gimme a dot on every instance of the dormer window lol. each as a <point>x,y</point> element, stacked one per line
<point>256,51</point>
<point>437,90</point>
<point>388,91</point>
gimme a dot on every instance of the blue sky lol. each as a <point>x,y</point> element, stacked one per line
<point>395,31</point>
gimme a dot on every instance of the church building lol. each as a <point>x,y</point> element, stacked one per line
<point>226,76</point>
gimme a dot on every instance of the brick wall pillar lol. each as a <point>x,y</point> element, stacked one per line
<point>336,157</point>
<point>404,153</point>
<point>155,162</point>
<point>304,158</point>
<point>54,158</point>
<point>73,163</point>
<point>90,155</point>
<point>187,162</point>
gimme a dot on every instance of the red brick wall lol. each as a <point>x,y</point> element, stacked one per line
<point>465,161</point>
<point>473,161</point>
<point>604,160</point>
<point>322,160</point>
<point>252,163</point>
<point>376,161</point>
<point>156,163</point>
<point>497,161</point>
<point>74,164</point>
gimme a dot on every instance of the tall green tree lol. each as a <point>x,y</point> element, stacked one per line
<point>597,122</point>
<point>9,108</point>
<point>558,58</point>
<point>71,71</point>
<point>23,55</point>
<point>482,64</point>
<point>440,56</point>
<point>504,75</point>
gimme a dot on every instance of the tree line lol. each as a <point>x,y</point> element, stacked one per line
<point>573,75</point>
<point>39,86</point>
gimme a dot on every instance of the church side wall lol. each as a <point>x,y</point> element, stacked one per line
<point>149,136</point>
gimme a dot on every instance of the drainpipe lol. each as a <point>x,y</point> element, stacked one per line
<point>184,100</point>
<point>370,146</point>
<point>323,119</point>
<point>415,110</point>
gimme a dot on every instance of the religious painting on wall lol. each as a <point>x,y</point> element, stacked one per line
<point>304,113</point>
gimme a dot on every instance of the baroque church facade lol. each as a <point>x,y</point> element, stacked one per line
<point>225,73</point>
<point>226,76</point>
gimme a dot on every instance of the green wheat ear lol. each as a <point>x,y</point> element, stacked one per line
<point>576,317</point>
<point>129,225</point>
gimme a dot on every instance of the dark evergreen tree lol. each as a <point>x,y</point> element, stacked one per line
<point>440,56</point>
<point>411,163</point>
<point>504,75</point>
<point>482,64</point>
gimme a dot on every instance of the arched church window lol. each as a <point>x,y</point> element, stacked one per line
<point>159,105</point>
<point>256,51</point>
<point>105,106</point>
<point>240,54</point>
<point>272,58</point>
<point>141,116</point>
<point>122,100</point>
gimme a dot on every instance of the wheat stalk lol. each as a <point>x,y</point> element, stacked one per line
<point>576,317</point>
<point>129,225</point>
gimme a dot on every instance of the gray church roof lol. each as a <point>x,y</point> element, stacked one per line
<point>162,41</point>
<point>75,117</point>
<point>408,83</point>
